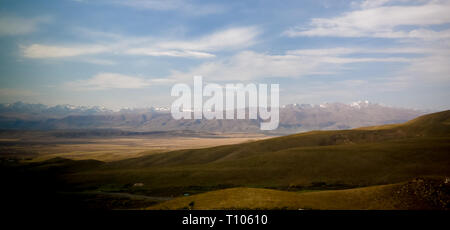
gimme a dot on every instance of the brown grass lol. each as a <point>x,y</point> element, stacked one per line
<point>256,198</point>
<point>112,149</point>
<point>421,193</point>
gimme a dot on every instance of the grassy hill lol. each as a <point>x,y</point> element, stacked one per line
<point>317,160</point>
<point>421,193</point>
<point>428,126</point>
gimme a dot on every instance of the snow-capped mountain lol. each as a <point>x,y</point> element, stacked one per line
<point>293,118</point>
<point>360,104</point>
<point>20,107</point>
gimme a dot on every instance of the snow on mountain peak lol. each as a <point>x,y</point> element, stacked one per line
<point>360,104</point>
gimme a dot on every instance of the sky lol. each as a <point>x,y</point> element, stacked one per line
<point>129,53</point>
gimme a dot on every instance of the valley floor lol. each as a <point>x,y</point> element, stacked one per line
<point>40,146</point>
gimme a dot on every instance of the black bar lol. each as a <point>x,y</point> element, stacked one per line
<point>283,218</point>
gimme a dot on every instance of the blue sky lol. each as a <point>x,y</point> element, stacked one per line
<point>129,53</point>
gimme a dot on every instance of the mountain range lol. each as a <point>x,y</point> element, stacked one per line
<point>293,118</point>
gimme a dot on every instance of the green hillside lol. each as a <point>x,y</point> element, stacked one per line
<point>421,193</point>
<point>318,160</point>
<point>429,126</point>
<point>312,160</point>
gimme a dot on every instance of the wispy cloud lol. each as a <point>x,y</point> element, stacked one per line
<point>339,51</point>
<point>232,38</point>
<point>99,61</point>
<point>422,23</point>
<point>237,37</point>
<point>50,51</point>
<point>13,25</point>
<point>169,53</point>
<point>188,6</point>
<point>375,19</point>
<point>370,3</point>
<point>249,65</point>
<point>201,47</point>
<point>103,81</point>
<point>428,71</point>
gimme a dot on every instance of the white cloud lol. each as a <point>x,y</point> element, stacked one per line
<point>12,25</point>
<point>428,34</point>
<point>232,38</point>
<point>429,70</point>
<point>170,5</point>
<point>237,37</point>
<point>428,66</point>
<point>375,20</point>
<point>248,65</point>
<point>104,81</point>
<point>47,51</point>
<point>324,52</point>
<point>169,53</point>
<point>373,3</point>
<point>367,4</point>
<point>340,51</point>
<point>95,34</point>
<point>98,61</point>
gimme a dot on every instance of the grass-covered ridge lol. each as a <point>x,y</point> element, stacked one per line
<point>317,160</point>
<point>421,193</point>
<point>331,159</point>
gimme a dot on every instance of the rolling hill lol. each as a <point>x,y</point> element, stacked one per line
<point>420,193</point>
<point>316,160</point>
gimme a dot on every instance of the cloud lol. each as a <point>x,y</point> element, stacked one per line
<point>94,34</point>
<point>98,61</point>
<point>232,38</point>
<point>104,81</point>
<point>47,51</point>
<point>13,25</point>
<point>377,20</point>
<point>431,70</point>
<point>339,51</point>
<point>237,37</point>
<point>373,3</point>
<point>249,65</point>
<point>190,7</point>
<point>169,53</point>
<point>186,6</point>
<point>367,4</point>
<point>201,47</point>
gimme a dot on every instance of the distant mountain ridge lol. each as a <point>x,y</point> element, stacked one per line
<point>293,118</point>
